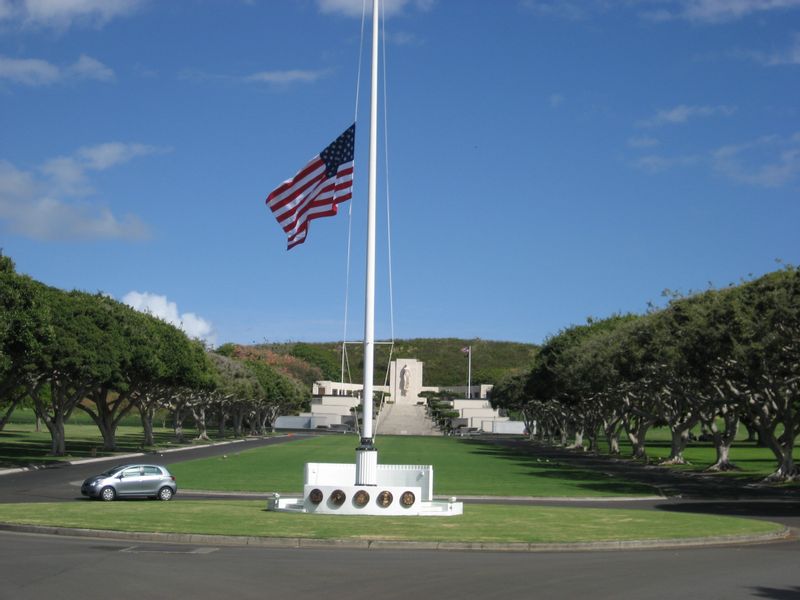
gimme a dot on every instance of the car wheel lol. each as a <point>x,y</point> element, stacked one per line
<point>165,493</point>
<point>108,494</point>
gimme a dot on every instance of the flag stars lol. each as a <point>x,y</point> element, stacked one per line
<point>339,152</point>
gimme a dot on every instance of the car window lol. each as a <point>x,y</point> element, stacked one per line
<point>132,472</point>
<point>152,471</point>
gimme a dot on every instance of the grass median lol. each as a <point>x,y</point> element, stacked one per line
<point>461,467</point>
<point>479,523</point>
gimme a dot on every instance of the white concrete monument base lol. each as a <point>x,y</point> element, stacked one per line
<point>400,490</point>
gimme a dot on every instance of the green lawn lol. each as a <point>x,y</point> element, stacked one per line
<point>754,463</point>
<point>22,445</point>
<point>461,467</point>
<point>479,523</point>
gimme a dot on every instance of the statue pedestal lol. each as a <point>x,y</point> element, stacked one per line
<point>400,490</point>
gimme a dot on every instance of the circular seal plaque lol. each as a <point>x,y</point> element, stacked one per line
<point>361,498</point>
<point>315,496</point>
<point>407,499</point>
<point>385,499</point>
<point>338,497</point>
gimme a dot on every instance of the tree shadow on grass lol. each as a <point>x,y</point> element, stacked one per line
<point>26,450</point>
<point>580,477</point>
<point>603,473</point>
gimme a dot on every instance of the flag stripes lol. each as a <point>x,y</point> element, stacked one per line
<point>316,190</point>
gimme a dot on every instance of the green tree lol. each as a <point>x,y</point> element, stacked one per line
<point>24,328</point>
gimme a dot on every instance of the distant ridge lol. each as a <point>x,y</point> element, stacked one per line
<point>445,363</point>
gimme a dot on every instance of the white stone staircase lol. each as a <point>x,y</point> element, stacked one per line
<point>405,419</point>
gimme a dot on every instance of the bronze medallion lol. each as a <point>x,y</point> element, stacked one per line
<point>338,497</point>
<point>407,499</point>
<point>385,499</point>
<point>315,496</point>
<point>361,498</point>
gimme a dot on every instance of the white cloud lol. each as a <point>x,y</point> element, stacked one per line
<point>28,71</point>
<point>285,77</point>
<point>791,56</point>
<point>654,163</point>
<point>558,8</point>
<point>37,72</point>
<point>354,8</point>
<point>159,306</point>
<point>770,161</point>
<point>62,14</point>
<point>715,11</point>
<point>104,156</point>
<point>6,9</point>
<point>643,142</point>
<point>90,68</point>
<point>682,113</point>
<point>403,38</point>
<point>44,203</point>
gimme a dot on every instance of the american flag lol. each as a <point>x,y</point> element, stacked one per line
<point>316,190</point>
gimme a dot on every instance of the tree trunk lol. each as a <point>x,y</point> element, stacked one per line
<point>593,448</point>
<point>146,416</point>
<point>723,440</point>
<point>55,412</point>
<point>199,415</point>
<point>578,445</point>
<point>238,418</point>
<point>6,417</point>
<point>55,426</point>
<point>680,438</point>
<point>613,442</point>
<point>787,470</point>
<point>107,414</point>
<point>637,436</point>
<point>221,416</point>
<point>177,422</point>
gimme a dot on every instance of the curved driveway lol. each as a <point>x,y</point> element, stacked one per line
<point>38,566</point>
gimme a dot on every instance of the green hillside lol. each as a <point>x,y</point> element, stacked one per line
<point>445,363</point>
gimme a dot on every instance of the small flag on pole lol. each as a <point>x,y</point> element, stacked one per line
<point>465,349</point>
<point>316,190</point>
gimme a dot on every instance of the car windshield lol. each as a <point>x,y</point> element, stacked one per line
<point>113,471</point>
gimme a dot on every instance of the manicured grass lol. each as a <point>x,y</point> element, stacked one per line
<point>754,463</point>
<point>479,523</point>
<point>22,445</point>
<point>461,467</point>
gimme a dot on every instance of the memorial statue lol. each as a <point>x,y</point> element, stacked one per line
<point>405,380</point>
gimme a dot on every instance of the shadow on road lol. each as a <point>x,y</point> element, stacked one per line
<point>792,593</point>
<point>741,508</point>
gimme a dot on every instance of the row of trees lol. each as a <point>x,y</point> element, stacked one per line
<point>716,359</point>
<point>65,351</point>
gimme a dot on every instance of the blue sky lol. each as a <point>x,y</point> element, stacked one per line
<point>548,161</point>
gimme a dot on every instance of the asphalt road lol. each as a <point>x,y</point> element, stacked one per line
<point>57,483</point>
<point>36,567</point>
<point>39,566</point>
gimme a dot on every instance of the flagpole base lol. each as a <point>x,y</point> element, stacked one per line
<point>397,491</point>
<point>366,463</point>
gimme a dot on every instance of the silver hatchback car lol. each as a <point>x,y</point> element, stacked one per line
<point>131,480</point>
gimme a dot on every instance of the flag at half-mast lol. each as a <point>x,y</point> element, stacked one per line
<point>316,190</point>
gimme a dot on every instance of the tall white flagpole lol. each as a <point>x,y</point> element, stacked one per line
<point>469,373</point>
<point>366,454</point>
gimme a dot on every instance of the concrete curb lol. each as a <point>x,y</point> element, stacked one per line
<point>266,542</point>
<point>267,495</point>
<point>114,457</point>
